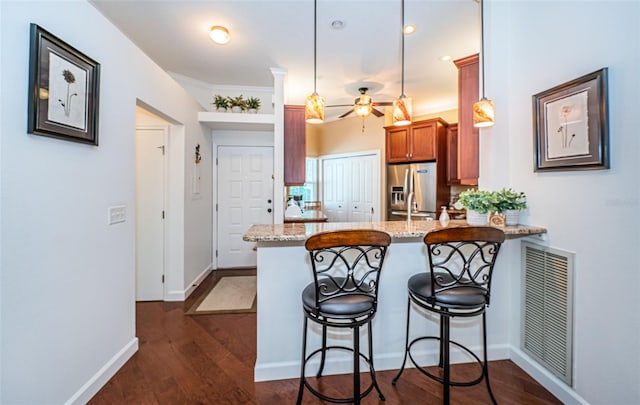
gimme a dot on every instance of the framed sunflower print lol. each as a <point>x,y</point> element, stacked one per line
<point>571,128</point>
<point>63,90</point>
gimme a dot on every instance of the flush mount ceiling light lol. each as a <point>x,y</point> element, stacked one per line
<point>409,29</point>
<point>402,106</point>
<point>484,111</point>
<point>314,108</point>
<point>219,34</point>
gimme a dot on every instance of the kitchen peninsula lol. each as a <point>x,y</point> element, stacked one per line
<point>283,270</point>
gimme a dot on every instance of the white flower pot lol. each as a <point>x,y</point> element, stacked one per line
<point>513,217</point>
<point>236,109</point>
<point>475,218</point>
<point>252,111</point>
<point>221,109</point>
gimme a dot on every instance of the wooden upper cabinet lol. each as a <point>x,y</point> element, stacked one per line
<point>294,145</point>
<point>416,142</point>
<point>467,152</point>
<point>423,141</point>
<point>397,143</point>
<point>452,154</point>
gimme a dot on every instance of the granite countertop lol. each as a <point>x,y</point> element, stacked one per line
<point>308,216</point>
<point>397,229</point>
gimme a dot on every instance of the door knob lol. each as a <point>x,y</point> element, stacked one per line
<point>269,210</point>
<point>269,201</point>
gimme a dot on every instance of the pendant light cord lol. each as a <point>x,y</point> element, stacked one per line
<point>402,19</point>
<point>315,52</point>
<point>482,41</point>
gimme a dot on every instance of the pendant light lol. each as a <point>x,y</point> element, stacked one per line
<point>314,108</point>
<point>484,111</point>
<point>402,106</point>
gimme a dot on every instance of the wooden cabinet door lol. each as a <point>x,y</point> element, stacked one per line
<point>397,144</point>
<point>294,145</point>
<point>452,154</point>
<point>468,142</point>
<point>423,142</point>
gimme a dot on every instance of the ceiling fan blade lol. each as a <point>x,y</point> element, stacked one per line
<point>383,103</point>
<point>345,114</point>
<point>339,105</point>
<point>376,112</point>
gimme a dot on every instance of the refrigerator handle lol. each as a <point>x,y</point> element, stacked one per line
<point>406,185</point>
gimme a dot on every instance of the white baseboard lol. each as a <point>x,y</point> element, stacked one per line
<point>184,294</point>
<point>91,387</point>
<point>342,363</point>
<point>545,378</point>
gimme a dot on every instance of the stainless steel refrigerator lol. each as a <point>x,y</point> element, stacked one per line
<point>419,178</point>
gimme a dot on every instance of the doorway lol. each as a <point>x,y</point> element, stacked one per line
<point>245,197</point>
<point>150,148</point>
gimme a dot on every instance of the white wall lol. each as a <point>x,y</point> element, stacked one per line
<point>592,213</point>
<point>67,282</point>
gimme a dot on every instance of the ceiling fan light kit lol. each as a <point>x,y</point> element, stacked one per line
<point>484,111</point>
<point>402,106</point>
<point>314,108</point>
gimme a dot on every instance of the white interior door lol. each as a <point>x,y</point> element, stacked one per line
<point>365,188</point>
<point>245,197</point>
<point>351,188</point>
<point>335,184</point>
<point>150,144</point>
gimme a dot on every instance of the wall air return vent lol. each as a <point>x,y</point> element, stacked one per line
<point>547,308</point>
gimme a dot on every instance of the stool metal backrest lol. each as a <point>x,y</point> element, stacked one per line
<point>463,259</point>
<point>347,263</point>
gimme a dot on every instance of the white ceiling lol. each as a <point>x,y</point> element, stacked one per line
<point>272,33</point>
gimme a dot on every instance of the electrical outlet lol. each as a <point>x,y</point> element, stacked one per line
<point>117,214</point>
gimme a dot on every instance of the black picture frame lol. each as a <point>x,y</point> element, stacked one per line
<point>571,125</point>
<point>64,87</point>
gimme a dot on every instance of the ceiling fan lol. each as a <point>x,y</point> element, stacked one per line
<point>363,105</point>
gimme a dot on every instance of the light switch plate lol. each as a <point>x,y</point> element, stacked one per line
<point>117,214</point>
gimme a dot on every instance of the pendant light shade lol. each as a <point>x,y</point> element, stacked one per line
<point>402,106</point>
<point>314,108</point>
<point>484,111</point>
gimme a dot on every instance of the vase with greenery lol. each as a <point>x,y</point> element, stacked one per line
<point>478,203</point>
<point>510,203</point>
<point>237,104</point>
<point>253,105</point>
<point>220,102</point>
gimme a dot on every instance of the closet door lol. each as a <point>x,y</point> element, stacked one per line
<point>335,189</point>
<point>351,188</point>
<point>365,186</point>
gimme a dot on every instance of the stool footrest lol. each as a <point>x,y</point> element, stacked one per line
<point>439,379</point>
<point>340,400</point>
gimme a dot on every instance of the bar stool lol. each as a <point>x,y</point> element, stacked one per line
<point>458,284</point>
<point>344,294</point>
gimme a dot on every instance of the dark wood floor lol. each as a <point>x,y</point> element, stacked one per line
<point>209,359</point>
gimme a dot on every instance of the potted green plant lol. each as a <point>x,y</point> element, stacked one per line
<point>511,203</point>
<point>253,105</point>
<point>478,203</point>
<point>237,104</point>
<point>220,102</point>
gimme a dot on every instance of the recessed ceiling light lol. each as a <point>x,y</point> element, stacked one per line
<point>409,29</point>
<point>219,34</point>
<point>445,58</point>
<point>337,24</point>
